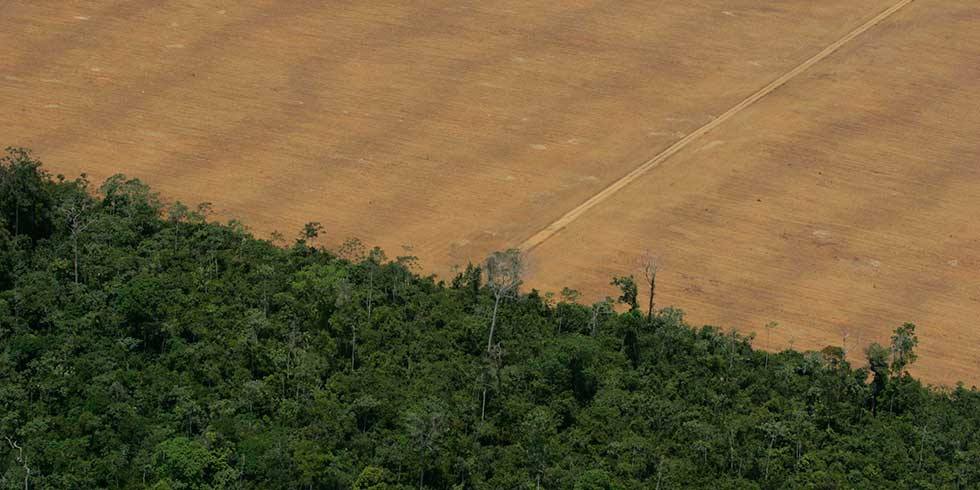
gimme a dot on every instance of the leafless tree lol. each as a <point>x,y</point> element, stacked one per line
<point>650,265</point>
<point>769,328</point>
<point>76,212</point>
<point>599,309</point>
<point>353,250</point>
<point>504,271</point>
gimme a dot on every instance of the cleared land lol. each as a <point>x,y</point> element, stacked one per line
<point>464,127</point>
<point>845,203</point>
<point>456,127</point>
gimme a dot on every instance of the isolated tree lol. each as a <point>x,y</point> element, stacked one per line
<point>878,363</point>
<point>650,266</point>
<point>504,271</point>
<point>628,291</point>
<point>310,232</point>
<point>569,295</point>
<point>903,346</point>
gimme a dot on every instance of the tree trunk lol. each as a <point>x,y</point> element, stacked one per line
<point>483,405</point>
<point>493,322</point>
<point>768,345</point>
<point>653,290</point>
<point>370,295</point>
<point>353,345</point>
<point>731,353</point>
<point>75,247</point>
<point>769,455</point>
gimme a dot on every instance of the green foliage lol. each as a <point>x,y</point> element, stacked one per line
<point>190,355</point>
<point>182,463</point>
<point>903,348</point>
<point>26,195</point>
<point>628,291</point>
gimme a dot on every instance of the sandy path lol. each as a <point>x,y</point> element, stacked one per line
<point>556,226</point>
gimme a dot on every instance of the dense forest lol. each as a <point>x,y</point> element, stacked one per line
<point>144,346</point>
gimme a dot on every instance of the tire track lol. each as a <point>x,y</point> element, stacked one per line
<point>552,229</point>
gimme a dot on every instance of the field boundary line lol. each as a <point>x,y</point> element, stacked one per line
<point>556,226</point>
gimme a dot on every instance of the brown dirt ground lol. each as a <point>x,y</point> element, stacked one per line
<point>464,127</point>
<point>453,126</point>
<point>845,203</point>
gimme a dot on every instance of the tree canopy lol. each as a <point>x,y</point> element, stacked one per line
<point>143,346</point>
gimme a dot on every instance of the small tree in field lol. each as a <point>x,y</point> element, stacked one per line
<point>569,295</point>
<point>504,271</point>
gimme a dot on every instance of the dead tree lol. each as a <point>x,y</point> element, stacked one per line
<point>504,271</point>
<point>77,217</point>
<point>650,267</point>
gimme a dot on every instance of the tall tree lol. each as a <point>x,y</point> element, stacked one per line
<point>76,210</point>
<point>903,346</point>
<point>504,271</point>
<point>651,265</point>
<point>878,363</point>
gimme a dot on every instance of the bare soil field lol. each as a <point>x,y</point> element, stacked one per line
<point>463,127</point>
<point>843,204</point>
<point>456,127</point>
